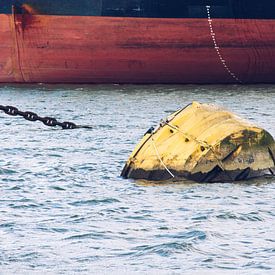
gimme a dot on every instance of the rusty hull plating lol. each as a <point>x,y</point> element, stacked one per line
<point>98,49</point>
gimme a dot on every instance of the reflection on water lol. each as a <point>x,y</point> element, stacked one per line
<point>64,208</point>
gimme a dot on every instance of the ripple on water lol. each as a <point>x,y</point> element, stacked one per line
<point>190,235</point>
<point>164,249</point>
<point>57,188</point>
<point>92,235</point>
<point>64,209</point>
<point>7,225</point>
<point>252,216</point>
<point>174,244</point>
<point>94,202</point>
<point>4,171</point>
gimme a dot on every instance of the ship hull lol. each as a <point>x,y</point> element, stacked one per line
<point>91,49</point>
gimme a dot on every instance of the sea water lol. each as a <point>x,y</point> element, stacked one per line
<point>64,209</point>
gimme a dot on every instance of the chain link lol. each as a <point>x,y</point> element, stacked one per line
<point>48,121</point>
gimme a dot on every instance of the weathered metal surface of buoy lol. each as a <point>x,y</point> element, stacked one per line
<point>204,143</point>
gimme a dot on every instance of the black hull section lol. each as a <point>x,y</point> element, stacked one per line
<point>239,9</point>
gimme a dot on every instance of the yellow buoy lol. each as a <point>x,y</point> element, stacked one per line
<point>204,143</point>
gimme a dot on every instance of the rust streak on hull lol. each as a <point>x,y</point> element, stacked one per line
<point>64,49</point>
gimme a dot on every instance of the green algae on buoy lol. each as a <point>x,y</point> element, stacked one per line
<point>204,143</point>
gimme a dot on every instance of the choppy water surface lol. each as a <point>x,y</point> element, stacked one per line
<point>64,209</point>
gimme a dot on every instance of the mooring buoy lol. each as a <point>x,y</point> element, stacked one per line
<point>204,143</point>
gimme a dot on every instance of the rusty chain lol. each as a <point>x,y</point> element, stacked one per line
<point>48,121</point>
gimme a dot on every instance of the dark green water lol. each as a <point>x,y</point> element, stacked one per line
<point>65,210</point>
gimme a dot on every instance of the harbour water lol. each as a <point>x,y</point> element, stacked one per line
<point>65,210</point>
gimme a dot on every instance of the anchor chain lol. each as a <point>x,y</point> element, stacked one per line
<point>48,121</point>
<point>217,48</point>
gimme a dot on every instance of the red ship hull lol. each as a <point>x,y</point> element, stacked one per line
<point>86,49</point>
